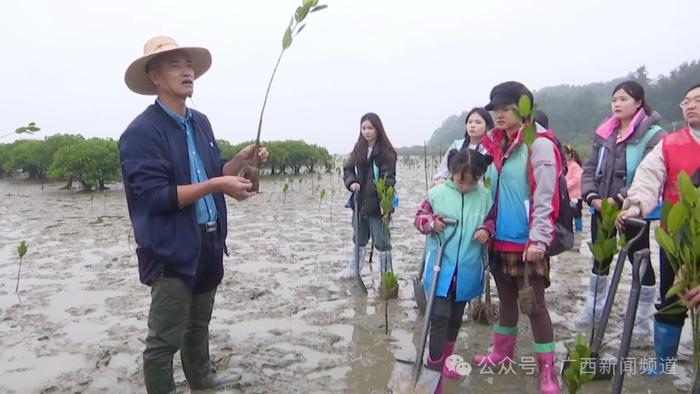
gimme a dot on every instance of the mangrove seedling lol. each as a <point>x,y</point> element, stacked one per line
<point>320,198</point>
<point>296,25</point>
<point>388,289</point>
<point>285,189</point>
<point>21,251</point>
<point>577,373</point>
<point>678,236</point>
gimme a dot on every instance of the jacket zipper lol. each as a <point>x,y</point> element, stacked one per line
<point>459,245</point>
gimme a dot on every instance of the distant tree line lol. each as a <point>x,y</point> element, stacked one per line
<point>94,162</point>
<point>576,111</point>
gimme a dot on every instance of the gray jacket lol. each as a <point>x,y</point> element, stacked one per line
<point>605,172</point>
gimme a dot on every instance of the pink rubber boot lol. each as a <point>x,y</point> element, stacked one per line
<point>504,339</point>
<point>548,376</point>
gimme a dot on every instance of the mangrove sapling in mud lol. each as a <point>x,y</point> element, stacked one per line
<point>386,204</point>
<point>388,289</point>
<point>331,204</point>
<point>285,189</point>
<point>21,251</point>
<point>576,375</point>
<point>603,249</point>
<point>321,195</point>
<point>296,25</point>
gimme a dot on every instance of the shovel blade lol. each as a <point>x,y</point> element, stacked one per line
<point>419,295</point>
<point>401,380</point>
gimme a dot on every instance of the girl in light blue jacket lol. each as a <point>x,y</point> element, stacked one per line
<point>461,276</point>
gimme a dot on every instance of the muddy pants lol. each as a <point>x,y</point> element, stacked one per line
<point>445,322</point>
<point>181,308</point>
<point>371,225</point>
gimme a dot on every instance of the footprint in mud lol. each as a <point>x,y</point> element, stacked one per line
<point>75,311</point>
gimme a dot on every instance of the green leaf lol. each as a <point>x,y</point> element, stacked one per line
<point>688,192</point>
<point>529,134</point>
<point>300,29</point>
<point>287,40</point>
<point>665,241</point>
<point>610,248</point>
<point>302,11</point>
<point>487,183</point>
<point>677,288</point>
<point>678,214</point>
<point>686,254</point>
<point>665,210</point>
<point>674,309</point>
<point>22,249</point>
<point>524,106</point>
<point>319,8</point>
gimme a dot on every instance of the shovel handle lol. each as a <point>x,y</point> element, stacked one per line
<point>450,221</point>
<point>635,222</point>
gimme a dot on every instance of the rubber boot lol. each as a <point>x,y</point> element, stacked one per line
<point>597,292</point>
<point>666,340</point>
<point>158,376</point>
<point>504,339</point>
<point>545,363</point>
<point>350,272</point>
<point>194,350</point>
<point>167,320</point>
<point>439,364</point>
<point>645,310</point>
<point>448,371</point>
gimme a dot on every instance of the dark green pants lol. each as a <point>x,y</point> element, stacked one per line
<point>177,320</point>
<point>371,225</point>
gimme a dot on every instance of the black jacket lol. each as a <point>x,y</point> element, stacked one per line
<point>368,201</point>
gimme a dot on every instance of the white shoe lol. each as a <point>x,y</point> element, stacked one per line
<point>350,272</point>
<point>597,290</point>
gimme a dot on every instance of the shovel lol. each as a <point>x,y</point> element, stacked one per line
<point>418,290</point>
<point>404,370</point>
<point>484,312</point>
<point>640,262</point>
<point>602,368</point>
<point>357,245</point>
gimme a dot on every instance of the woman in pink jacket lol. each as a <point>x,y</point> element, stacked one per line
<point>573,183</point>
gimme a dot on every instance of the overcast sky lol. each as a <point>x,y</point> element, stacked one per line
<point>412,62</point>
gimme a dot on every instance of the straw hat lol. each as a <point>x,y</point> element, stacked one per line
<point>137,79</point>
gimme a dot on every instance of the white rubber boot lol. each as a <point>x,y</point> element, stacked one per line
<point>349,272</point>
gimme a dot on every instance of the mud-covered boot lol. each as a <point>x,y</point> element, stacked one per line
<point>350,272</point>
<point>194,350</point>
<point>158,377</point>
<point>597,292</point>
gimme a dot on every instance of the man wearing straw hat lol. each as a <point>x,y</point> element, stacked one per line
<point>175,181</point>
